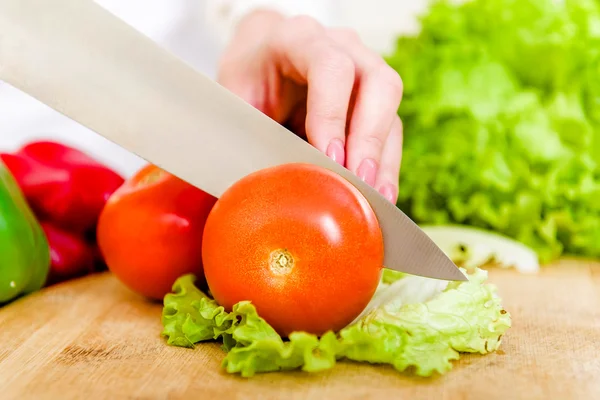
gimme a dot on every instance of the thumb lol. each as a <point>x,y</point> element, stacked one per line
<point>268,92</point>
<point>244,87</point>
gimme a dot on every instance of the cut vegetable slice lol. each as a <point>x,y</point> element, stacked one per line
<point>472,247</point>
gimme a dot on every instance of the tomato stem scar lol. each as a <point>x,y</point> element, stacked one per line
<point>281,261</point>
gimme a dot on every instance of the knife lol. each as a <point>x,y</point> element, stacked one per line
<point>92,67</point>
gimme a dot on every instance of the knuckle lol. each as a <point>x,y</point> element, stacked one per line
<point>396,135</point>
<point>299,31</point>
<point>392,79</point>
<point>346,34</point>
<point>400,124</point>
<point>373,142</point>
<point>333,59</point>
<point>305,24</point>
<point>386,76</point>
<point>330,115</point>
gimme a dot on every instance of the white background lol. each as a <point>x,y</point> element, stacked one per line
<point>181,27</point>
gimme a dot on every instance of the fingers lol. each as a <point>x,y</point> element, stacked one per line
<point>309,56</point>
<point>331,79</point>
<point>352,98</point>
<point>375,110</point>
<point>391,159</point>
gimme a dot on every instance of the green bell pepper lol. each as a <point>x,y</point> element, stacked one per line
<point>24,250</point>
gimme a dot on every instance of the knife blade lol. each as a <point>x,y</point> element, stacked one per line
<point>92,67</point>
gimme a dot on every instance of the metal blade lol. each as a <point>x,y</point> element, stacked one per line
<point>90,66</point>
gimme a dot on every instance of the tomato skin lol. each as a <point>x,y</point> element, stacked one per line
<point>150,231</point>
<point>311,214</point>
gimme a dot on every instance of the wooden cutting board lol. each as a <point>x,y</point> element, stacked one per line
<point>94,339</point>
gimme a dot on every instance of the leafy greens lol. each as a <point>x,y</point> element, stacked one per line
<point>411,322</point>
<point>501,110</point>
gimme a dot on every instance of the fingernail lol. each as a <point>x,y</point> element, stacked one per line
<point>367,171</point>
<point>390,192</point>
<point>335,151</point>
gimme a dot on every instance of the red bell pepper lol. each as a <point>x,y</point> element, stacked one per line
<point>62,184</point>
<point>67,190</point>
<point>71,256</point>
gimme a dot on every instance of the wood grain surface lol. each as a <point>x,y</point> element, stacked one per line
<point>94,339</point>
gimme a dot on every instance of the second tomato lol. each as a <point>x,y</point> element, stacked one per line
<point>150,231</point>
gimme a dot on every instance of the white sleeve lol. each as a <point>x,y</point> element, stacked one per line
<point>222,16</point>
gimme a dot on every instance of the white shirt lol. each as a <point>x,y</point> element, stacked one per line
<point>196,31</point>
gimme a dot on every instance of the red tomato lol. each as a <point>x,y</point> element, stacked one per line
<point>150,231</point>
<point>298,241</point>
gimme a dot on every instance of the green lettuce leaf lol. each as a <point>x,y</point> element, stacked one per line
<point>391,276</point>
<point>412,322</point>
<point>190,316</point>
<point>464,318</point>
<point>501,110</point>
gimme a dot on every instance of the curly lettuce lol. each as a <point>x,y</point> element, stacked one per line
<point>412,322</point>
<point>501,110</point>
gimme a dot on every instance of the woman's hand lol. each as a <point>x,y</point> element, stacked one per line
<point>326,86</point>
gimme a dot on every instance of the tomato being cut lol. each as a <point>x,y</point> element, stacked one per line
<point>150,231</point>
<point>298,241</point>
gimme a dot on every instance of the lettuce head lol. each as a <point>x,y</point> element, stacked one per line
<point>501,113</point>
